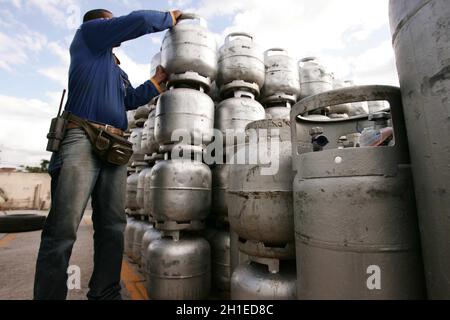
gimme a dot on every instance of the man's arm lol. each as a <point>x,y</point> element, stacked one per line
<point>136,97</point>
<point>103,34</point>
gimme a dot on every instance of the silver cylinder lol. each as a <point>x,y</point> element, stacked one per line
<point>422,48</point>
<point>237,112</point>
<point>240,58</point>
<point>149,144</point>
<point>151,234</point>
<point>314,78</point>
<point>282,77</point>
<point>190,47</point>
<point>253,281</point>
<point>186,111</point>
<point>129,236</point>
<point>278,112</point>
<point>136,140</point>
<point>140,229</point>
<point>355,218</point>
<point>179,270</point>
<point>259,200</point>
<point>180,192</point>
<point>131,196</point>
<point>140,191</point>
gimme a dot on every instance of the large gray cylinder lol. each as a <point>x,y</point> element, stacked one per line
<point>259,198</point>
<point>129,235</point>
<point>152,234</point>
<point>421,36</point>
<point>180,191</point>
<point>190,47</point>
<point>355,218</point>
<point>253,281</point>
<point>188,112</point>
<point>131,202</point>
<point>179,270</point>
<point>140,229</point>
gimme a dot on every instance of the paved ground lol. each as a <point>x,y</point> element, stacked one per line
<point>18,254</point>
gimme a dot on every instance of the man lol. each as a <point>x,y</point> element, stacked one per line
<point>100,92</point>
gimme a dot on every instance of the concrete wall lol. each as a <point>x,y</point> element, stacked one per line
<point>24,191</point>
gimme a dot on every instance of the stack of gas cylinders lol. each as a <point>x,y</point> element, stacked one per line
<point>257,177</point>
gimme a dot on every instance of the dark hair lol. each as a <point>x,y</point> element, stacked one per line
<point>95,14</point>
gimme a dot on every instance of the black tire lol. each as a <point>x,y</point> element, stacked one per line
<point>15,223</point>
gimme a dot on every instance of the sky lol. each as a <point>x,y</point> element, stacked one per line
<point>351,37</point>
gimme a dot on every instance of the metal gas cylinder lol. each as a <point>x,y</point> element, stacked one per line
<point>179,269</point>
<point>140,192</point>
<point>189,52</point>
<point>130,118</point>
<point>377,106</point>
<point>360,107</point>
<point>136,140</point>
<point>139,231</point>
<point>342,108</point>
<point>254,281</point>
<point>156,158</point>
<point>131,197</point>
<point>240,59</point>
<point>282,77</point>
<point>314,78</point>
<point>151,234</point>
<point>129,236</point>
<point>355,218</point>
<point>260,191</point>
<point>141,115</point>
<point>186,111</point>
<point>237,112</point>
<point>219,241</point>
<point>421,34</point>
<point>181,190</point>
<point>148,142</point>
<point>278,111</point>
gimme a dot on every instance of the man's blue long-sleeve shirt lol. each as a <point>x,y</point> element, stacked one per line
<point>98,89</point>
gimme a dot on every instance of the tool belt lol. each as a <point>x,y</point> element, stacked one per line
<point>107,142</point>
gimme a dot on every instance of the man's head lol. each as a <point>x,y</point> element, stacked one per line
<point>97,14</point>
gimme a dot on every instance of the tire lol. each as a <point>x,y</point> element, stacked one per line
<point>15,223</point>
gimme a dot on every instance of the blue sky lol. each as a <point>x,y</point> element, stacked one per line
<point>351,36</point>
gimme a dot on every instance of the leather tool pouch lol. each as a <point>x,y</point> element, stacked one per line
<point>110,148</point>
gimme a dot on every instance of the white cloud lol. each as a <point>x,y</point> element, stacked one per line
<point>24,125</point>
<point>56,10</point>
<point>137,72</point>
<point>18,49</point>
<point>59,71</point>
<point>376,65</point>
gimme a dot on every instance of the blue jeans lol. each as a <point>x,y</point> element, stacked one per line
<point>77,173</point>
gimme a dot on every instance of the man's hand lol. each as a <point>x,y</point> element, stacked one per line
<point>161,75</point>
<point>160,78</point>
<point>176,14</point>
